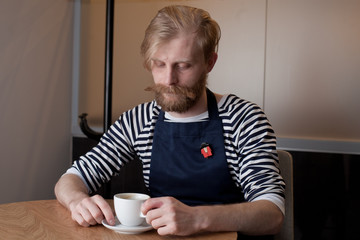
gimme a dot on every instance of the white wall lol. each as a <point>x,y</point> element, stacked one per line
<point>35,96</point>
<point>299,60</point>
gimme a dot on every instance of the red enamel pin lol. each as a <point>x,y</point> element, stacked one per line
<point>206,150</point>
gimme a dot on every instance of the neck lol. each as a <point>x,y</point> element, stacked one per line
<point>199,107</point>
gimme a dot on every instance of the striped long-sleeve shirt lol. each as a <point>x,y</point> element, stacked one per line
<point>250,148</point>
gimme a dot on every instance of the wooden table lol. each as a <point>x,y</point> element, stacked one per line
<point>47,219</point>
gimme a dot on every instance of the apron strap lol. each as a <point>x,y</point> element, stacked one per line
<point>212,105</point>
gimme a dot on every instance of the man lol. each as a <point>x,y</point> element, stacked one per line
<point>209,160</point>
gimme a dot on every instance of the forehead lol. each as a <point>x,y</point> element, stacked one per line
<point>183,46</point>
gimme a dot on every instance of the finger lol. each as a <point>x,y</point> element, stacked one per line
<point>90,211</point>
<point>152,203</point>
<point>96,215</point>
<point>152,215</point>
<point>163,231</point>
<point>80,220</point>
<point>157,221</point>
<point>151,208</point>
<point>106,211</point>
<point>85,218</point>
<point>168,229</point>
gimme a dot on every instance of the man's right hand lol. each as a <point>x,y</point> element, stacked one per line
<point>91,211</point>
<point>72,193</point>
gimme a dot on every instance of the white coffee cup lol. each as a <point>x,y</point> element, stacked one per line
<point>128,208</point>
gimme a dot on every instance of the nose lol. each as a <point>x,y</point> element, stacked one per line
<point>170,76</point>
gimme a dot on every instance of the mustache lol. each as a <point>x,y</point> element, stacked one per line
<point>175,89</point>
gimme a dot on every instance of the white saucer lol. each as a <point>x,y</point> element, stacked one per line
<point>118,227</point>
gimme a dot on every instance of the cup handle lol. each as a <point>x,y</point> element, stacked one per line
<point>142,215</point>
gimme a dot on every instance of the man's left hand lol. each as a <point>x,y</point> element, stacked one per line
<point>171,217</point>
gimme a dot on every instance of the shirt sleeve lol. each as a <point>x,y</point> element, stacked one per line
<point>105,160</point>
<point>74,171</point>
<point>274,198</point>
<point>258,166</point>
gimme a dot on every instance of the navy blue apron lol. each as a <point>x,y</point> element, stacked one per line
<point>180,169</point>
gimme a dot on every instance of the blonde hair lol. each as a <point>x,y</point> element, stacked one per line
<point>172,20</point>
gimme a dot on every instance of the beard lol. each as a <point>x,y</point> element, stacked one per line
<point>177,98</point>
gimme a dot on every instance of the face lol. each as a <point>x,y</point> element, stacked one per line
<point>179,71</point>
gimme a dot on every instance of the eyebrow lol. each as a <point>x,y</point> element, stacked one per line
<point>178,61</point>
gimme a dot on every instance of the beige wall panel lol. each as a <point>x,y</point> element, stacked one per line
<point>313,69</point>
<point>35,97</point>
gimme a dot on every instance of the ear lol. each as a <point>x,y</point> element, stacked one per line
<point>212,61</point>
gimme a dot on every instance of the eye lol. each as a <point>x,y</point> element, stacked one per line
<point>158,64</point>
<point>183,66</point>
